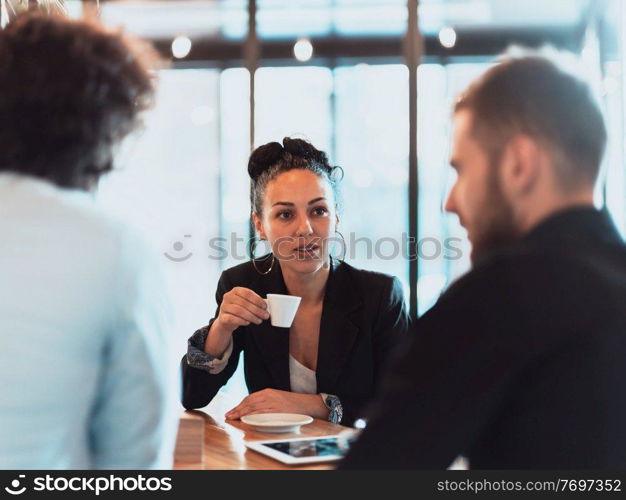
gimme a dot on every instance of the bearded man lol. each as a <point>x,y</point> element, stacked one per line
<point>520,364</point>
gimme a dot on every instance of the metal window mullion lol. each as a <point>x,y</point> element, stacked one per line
<point>251,53</point>
<point>413,49</point>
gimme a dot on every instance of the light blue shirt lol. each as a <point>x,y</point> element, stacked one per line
<point>87,374</point>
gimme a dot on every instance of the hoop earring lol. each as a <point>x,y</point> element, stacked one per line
<point>344,245</point>
<point>254,260</point>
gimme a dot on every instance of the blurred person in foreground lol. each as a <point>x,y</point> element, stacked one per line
<point>520,364</point>
<point>86,379</point>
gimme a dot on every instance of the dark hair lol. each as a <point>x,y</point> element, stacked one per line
<point>534,96</point>
<point>272,159</point>
<point>69,91</point>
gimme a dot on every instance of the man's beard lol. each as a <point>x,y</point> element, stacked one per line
<point>497,228</point>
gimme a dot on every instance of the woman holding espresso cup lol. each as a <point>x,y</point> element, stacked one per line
<point>329,361</point>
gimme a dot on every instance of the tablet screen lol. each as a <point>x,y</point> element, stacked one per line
<point>323,447</point>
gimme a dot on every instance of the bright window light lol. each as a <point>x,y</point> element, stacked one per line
<point>447,37</point>
<point>181,46</point>
<point>303,50</point>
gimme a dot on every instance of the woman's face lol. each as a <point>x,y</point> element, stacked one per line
<point>299,217</point>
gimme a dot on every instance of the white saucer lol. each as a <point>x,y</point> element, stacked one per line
<point>277,422</point>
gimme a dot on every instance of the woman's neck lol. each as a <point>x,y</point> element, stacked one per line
<point>309,286</point>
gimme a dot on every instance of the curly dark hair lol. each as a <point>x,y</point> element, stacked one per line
<point>70,90</point>
<point>270,160</point>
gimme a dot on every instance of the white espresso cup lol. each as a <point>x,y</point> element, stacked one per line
<point>282,309</point>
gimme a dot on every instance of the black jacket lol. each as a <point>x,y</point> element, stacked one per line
<point>520,365</point>
<point>363,319</point>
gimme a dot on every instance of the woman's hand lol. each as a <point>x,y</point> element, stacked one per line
<point>240,307</point>
<point>275,401</point>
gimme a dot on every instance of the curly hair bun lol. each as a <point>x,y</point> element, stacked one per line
<point>306,150</point>
<point>263,158</point>
<point>272,159</point>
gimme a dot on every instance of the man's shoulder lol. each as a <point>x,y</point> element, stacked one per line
<point>542,278</point>
<point>75,217</point>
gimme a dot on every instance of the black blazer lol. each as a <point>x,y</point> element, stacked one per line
<point>363,319</point>
<point>520,365</point>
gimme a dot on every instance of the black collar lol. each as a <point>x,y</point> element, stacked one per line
<point>580,226</point>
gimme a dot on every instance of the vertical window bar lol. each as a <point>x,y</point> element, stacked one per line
<point>251,56</point>
<point>413,49</point>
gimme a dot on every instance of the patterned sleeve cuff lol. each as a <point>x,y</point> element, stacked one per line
<point>335,409</point>
<point>197,358</point>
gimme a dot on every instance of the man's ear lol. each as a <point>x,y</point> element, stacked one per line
<point>520,166</point>
<point>258,225</point>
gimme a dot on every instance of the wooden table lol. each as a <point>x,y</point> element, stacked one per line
<point>224,446</point>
